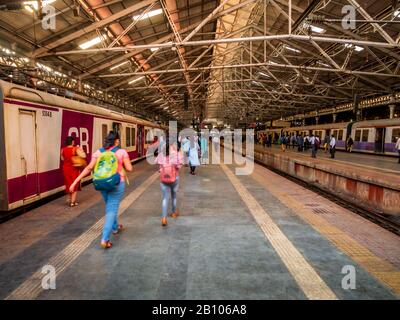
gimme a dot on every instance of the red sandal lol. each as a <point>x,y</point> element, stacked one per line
<point>106,244</point>
<point>120,227</point>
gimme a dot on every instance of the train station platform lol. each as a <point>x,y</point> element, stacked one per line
<point>237,237</point>
<point>372,161</point>
<point>367,181</point>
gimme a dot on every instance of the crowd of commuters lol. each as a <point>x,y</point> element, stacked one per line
<point>302,143</point>
<point>310,141</point>
<point>109,166</point>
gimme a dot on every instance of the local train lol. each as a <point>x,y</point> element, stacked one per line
<point>34,126</point>
<point>370,136</point>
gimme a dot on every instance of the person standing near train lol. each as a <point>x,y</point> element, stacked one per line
<point>332,146</point>
<point>112,195</point>
<point>314,142</point>
<point>300,142</point>
<point>73,160</point>
<point>398,147</point>
<point>349,144</point>
<point>327,140</point>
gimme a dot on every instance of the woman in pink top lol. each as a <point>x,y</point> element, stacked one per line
<point>111,198</point>
<point>168,156</point>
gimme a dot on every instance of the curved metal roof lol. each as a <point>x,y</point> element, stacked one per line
<point>237,59</point>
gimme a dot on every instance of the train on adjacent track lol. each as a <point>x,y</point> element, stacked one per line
<point>370,136</point>
<point>34,125</point>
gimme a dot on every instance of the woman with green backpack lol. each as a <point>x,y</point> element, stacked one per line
<point>109,165</point>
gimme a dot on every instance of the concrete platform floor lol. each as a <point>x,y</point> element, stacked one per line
<point>385,163</point>
<point>237,237</point>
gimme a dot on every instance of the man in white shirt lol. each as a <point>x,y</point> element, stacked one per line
<point>332,146</point>
<point>313,146</point>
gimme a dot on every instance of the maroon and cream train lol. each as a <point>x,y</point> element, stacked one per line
<point>33,127</point>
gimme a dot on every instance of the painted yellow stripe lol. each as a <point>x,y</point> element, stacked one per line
<point>304,274</point>
<point>32,287</point>
<point>382,270</point>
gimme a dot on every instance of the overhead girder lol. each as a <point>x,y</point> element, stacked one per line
<point>311,84</point>
<point>92,27</point>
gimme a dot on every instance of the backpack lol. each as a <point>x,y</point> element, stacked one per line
<point>168,173</point>
<point>105,175</point>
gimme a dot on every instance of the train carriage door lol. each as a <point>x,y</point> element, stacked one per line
<point>380,140</point>
<point>28,153</point>
<point>116,127</point>
<point>140,141</point>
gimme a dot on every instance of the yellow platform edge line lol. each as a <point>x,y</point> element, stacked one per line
<point>32,287</point>
<point>379,268</point>
<point>304,274</point>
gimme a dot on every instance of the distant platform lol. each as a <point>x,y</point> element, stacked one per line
<point>386,163</point>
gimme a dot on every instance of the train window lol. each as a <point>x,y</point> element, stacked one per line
<point>104,131</point>
<point>365,135</point>
<point>340,136</point>
<point>148,135</point>
<point>133,135</point>
<point>128,137</point>
<point>335,134</point>
<point>358,135</point>
<point>395,135</point>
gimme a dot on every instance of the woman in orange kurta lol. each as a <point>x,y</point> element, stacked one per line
<point>71,172</point>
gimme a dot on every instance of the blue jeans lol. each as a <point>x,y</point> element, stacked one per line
<point>314,150</point>
<point>166,190</point>
<point>112,199</point>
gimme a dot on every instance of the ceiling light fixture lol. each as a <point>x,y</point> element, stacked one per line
<point>323,64</point>
<point>314,28</point>
<point>135,80</point>
<point>356,48</point>
<point>118,65</point>
<point>291,49</point>
<point>148,14</point>
<point>90,43</point>
<point>33,5</point>
<point>264,74</point>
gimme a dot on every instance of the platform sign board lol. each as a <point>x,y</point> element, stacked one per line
<point>280,123</point>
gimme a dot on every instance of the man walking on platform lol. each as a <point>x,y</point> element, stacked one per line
<point>349,144</point>
<point>314,141</point>
<point>332,147</point>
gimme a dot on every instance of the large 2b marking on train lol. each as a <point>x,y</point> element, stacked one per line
<point>82,135</point>
<point>80,126</point>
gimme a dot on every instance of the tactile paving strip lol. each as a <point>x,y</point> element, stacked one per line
<point>304,274</point>
<point>32,287</point>
<point>382,270</point>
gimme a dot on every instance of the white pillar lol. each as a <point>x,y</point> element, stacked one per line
<point>392,108</point>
